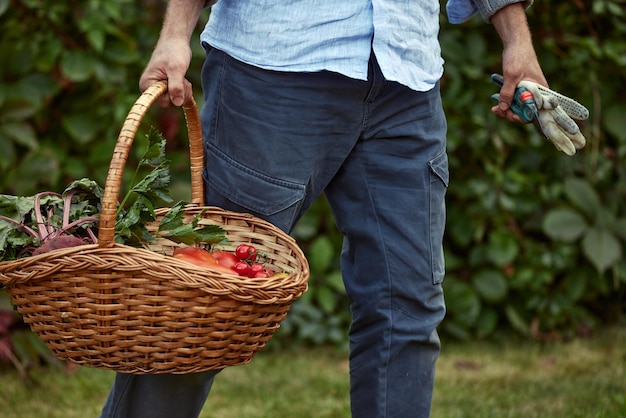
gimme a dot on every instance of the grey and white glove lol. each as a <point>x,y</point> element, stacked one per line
<point>556,114</point>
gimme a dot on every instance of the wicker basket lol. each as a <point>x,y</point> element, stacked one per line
<point>141,311</point>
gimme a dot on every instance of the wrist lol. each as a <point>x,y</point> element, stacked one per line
<point>181,17</point>
<point>512,26</point>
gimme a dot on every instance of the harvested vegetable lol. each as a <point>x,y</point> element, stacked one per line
<point>200,258</point>
<point>49,221</point>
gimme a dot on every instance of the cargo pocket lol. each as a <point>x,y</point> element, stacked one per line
<point>439,178</point>
<point>239,188</point>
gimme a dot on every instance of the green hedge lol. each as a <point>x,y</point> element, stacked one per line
<point>534,239</point>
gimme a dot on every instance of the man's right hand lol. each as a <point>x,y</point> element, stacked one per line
<point>172,55</point>
<point>170,62</point>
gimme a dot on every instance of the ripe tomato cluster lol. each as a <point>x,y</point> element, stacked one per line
<point>244,261</point>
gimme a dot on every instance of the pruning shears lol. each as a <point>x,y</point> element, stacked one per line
<point>523,104</point>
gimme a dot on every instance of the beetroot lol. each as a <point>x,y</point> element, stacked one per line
<point>56,243</point>
<point>51,234</point>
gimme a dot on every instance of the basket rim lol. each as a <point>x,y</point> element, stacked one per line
<point>82,260</point>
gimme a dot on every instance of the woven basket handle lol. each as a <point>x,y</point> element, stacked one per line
<point>106,233</point>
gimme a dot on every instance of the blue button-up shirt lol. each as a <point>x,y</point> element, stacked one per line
<point>339,35</point>
<point>333,35</point>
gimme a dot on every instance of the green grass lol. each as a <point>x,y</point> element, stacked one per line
<point>581,378</point>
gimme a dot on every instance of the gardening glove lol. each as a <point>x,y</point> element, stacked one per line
<point>555,117</point>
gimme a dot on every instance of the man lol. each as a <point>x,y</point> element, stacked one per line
<point>304,97</point>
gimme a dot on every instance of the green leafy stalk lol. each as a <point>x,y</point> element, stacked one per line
<point>26,222</point>
<point>145,194</point>
<point>153,186</point>
<point>188,233</point>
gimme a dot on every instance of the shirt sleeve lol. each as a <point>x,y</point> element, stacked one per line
<point>460,11</point>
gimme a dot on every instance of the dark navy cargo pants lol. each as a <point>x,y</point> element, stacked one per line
<point>275,141</point>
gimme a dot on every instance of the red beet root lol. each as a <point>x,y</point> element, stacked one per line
<point>56,243</point>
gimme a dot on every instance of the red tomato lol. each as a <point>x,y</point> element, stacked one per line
<point>255,269</point>
<point>246,252</point>
<point>241,268</point>
<point>260,271</point>
<point>225,258</point>
<point>195,252</point>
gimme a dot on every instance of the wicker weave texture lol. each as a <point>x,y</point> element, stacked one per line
<point>139,310</point>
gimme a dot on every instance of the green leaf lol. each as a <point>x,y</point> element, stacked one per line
<point>502,248</point>
<point>80,126</point>
<point>24,351</point>
<point>456,329</point>
<point>8,151</point>
<point>154,185</point>
<point>462,301</point>
<point>620,227</point>
<point>335,281</point>
<point>601,248</point>
<point>29,348</point>
<point>564,225</point>
<point>129,218</point>
<point>182,234</point>
<point>604,218</point>
<point>21,133</point>
<point>130,224</point>
<point>4,5</point>
<point>487,322</point>
<point>155,152</point>
<point>39,167</point>
<point>189,233</point>
<point>582,195</point>
<point>78,66</point>
<point>13,239</point>
<point>211,234</point>
<point>173,218</point>
<point>121,52</point>
<point>326,299</point>
<point>491,285</point>
<point>96,39</point>
<point>18,110</point>
<point>614,120</point>
<point>35,88</point>
<point>85,185</point>
<point>516,320</point>
<point>321,254</point>
<point>16,207</point>
<point>576,284</point>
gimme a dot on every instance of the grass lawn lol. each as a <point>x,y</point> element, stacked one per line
<point>581,378</point>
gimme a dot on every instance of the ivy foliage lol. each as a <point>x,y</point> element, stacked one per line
<point>535,239</point>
